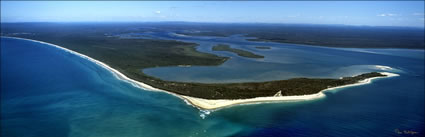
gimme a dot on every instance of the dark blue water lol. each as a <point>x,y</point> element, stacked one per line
<point>48,92</point>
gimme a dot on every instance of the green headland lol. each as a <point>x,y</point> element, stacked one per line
<point>130,56</point>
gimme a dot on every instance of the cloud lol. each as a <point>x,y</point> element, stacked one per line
<point>158,12</point>
<point>387,15</point>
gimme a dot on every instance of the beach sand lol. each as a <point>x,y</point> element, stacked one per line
<point>210,104</point>
<point>221,103</point>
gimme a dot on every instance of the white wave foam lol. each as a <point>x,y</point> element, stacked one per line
<point>383,67</point>
<point>203,113</point>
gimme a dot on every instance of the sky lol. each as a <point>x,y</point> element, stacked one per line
<point>364,13</point>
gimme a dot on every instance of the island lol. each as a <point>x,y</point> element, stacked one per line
<point>128,57</point>
<point>239,52</point>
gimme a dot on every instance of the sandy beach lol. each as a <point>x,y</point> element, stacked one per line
<point>208,104</point>
<point>221,103</point>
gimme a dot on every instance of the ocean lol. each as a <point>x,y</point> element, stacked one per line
<point>48,92</point>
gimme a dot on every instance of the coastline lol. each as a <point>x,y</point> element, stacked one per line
<point>116,73</point>
<point>210,104</point>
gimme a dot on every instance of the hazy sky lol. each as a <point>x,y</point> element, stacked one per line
<point>372,13</point>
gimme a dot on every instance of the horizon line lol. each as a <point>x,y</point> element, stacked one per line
<point>270,23</point>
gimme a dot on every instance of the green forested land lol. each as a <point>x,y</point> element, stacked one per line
<point>130,56</point>
<point>262,47</point>
<point>243,53</point>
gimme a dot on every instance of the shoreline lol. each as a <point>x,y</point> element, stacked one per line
<point>210,104</point>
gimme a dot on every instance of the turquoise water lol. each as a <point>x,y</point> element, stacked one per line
<point>48,92</point>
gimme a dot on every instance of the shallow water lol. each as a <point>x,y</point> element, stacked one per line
<point>48,92</point>
<point>282,61</point>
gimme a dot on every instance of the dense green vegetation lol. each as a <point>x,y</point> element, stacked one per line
<point>262,47</point>
<point>296,86</point>
<point>317,35</point>
<point>243,53</point>
<point>130,56</point>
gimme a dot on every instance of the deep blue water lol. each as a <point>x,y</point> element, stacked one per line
<point>48,92</point>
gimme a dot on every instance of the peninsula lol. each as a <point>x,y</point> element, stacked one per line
<point>128,57</point>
